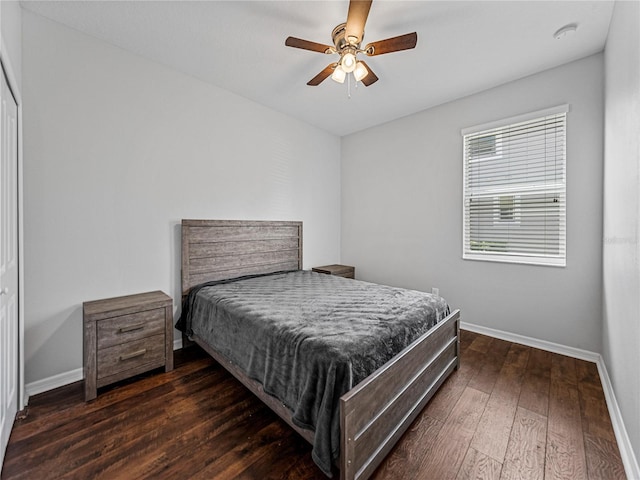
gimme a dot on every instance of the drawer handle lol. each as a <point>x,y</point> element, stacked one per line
<point>137,353</point>
<point>131,328</point>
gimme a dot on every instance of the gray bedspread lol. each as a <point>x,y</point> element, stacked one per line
<point>309,337</point>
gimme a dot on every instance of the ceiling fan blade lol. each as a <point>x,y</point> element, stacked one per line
<point>356,18</point>
<point>307,45</point>
<point>395,44</point>
<point>370,78</point>
<point>319,78</point>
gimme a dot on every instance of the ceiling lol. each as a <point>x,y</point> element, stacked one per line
<point>463,47</point>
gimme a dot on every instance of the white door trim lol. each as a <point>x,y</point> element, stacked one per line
<point>5,64</point>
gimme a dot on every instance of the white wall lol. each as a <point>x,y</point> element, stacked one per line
<point>117,150</point>
<point>621,329</point>
<point>11,36</point>
<point>402,210</point>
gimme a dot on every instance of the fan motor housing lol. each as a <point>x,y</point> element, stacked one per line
<point>339,40</point>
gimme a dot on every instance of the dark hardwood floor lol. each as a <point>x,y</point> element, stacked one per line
<point>509,412</point>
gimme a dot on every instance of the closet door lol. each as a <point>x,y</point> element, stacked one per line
<point>8,263</point>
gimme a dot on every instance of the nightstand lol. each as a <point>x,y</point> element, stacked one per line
<point>340,270</point>
<point>126,336</point>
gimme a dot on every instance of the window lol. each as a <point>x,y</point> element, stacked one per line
<point>515,189</point>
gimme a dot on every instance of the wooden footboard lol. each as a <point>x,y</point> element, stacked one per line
<point>375,414</point>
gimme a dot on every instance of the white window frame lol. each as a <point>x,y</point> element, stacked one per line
<point>468,253</point>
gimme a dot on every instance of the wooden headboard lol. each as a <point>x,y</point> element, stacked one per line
<point>219,249</point>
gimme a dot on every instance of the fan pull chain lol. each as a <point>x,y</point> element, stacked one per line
<point>348,86</point>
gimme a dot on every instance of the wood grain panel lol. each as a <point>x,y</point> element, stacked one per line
<point>255,269</point>
<point>126,328</point>
<point>234,462</point>
<point>603,459</point>
<point>209,249</point>
<point>501,407</point>
<point>525,455</point>
<point>451,445</point>
<point>535,390</point>
<point>185,428</point>
<point>56,410</point>
<point>241,260</point>
<point>481,343</point>
<point>370,397</point>
<point>238,231</point>
<point>361,454</point>
<point>220,249</point>
<point>477,466</point>
<point>89,359</point>
<point>229,415</point>
<point>110,307</point>
<point>496,352</point>
<point>404,460</point>
<point>111,322</point>
<point>406,400</point>
<point>345,271</point>
<point>440,407</point>
<point>129,356</point>
<point>565,455</point>
<point>593,408</point>
<point>467,337</point>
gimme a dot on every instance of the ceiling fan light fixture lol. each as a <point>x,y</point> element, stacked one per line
<point>338,74</point>
<point>347,38</point>
<point>360,71</point>
<point>348,62</point>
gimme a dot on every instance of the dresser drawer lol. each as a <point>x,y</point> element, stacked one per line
<point>127,328</point>
<point>132,355</point>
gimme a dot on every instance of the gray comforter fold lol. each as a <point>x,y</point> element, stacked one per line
<point>309,338</point>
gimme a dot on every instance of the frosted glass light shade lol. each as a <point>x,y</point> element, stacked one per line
<point>348,62</point>
<point>360,71</point>
<point>338,74</point>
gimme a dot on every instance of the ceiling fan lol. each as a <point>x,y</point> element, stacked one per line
<point>347,38</point>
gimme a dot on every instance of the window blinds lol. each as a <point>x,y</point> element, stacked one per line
<point>515,190</point>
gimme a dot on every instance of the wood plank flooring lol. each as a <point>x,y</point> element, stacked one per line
<point>509,412</point>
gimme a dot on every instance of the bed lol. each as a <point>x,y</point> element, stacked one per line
<point>239,277</point>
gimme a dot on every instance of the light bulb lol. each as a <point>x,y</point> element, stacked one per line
<point>360,71</point>
<point>348,62</point>
<point>338,74</point>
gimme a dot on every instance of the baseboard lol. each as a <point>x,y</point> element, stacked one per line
<point>55,381</point>
<point>627,454</point>
<point>624,443</point>
<point>62,379</point>
<point>533,342</point>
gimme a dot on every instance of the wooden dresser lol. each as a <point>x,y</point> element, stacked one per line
<point>339,270</point>
<point>125,336</point>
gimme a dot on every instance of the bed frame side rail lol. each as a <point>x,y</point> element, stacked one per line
<point>256,388</point>
<point>375,414</point>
